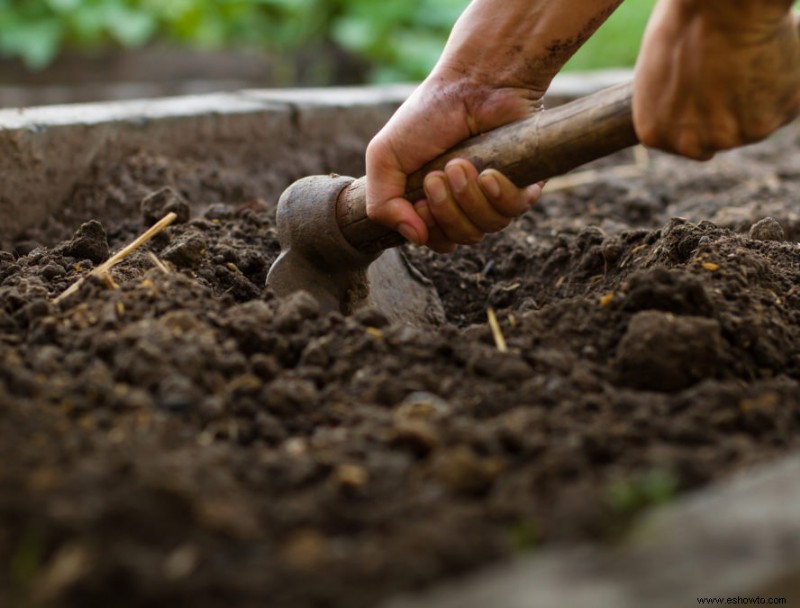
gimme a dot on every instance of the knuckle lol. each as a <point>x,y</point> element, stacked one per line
<point>724,139</point>
<point>687,143</point>
<point>759,128</point>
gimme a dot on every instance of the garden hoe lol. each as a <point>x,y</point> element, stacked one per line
<point>330,248</point>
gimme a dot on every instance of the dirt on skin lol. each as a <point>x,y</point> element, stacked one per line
<point>177,436</point>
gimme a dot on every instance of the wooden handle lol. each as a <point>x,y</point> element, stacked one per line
<point>547,144</point>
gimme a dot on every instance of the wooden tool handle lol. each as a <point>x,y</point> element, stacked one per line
<point>547,144</point>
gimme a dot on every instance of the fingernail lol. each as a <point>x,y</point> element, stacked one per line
<point>457,177</point>
<point>490,184</point>
<point>436,189</point>
<point>408,233</point>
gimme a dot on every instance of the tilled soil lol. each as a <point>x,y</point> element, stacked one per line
<point>176,436</point>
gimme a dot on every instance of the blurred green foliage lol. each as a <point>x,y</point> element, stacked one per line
<point>400,40</point>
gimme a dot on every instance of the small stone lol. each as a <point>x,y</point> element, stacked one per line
<point>350,477</point>
<point>371,317</point>
<point>768,229</point>
<point>464,472</point>
<point>418,436</point>
<point>422,405</point>
<point>161,202</point>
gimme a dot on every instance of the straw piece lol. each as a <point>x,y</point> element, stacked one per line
<point>497,333</point>
<point>158,263</point>
<point>120,255</point>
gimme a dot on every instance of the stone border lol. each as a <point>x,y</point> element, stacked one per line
<point>45,151</point>
<point>288,133</point>
<point>737,538</point>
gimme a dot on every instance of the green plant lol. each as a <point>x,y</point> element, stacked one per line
<point>630,495</point>
<point>400,40</point>
<point>36,30</point>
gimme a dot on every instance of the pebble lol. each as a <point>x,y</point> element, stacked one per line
<point>462,471</point>
<point>422,405</point>
<point>418,436</point>
<point>350,477</point>
<point>768,229</point>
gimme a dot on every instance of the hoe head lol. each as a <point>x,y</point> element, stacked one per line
<point>315,257</point>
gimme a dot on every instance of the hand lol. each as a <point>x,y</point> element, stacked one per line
<point>460,205</point>
<point>497,64</point>
<point>716,74</point>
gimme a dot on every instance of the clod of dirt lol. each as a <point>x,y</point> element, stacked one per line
<point>187,250</point>
<point>664,352</point>
<point>768,229</point>
<point>668,290</point>
<point>88,243</point>
<point>161,202</point>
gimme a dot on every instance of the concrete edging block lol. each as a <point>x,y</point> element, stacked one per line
<point>737,538</point>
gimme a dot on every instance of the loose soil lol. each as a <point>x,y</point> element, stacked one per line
<point>178,436</point>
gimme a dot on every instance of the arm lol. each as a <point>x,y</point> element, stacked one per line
<point>716,74</point>
<point>495,68</point>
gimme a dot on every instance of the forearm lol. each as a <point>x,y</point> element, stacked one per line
<point>520,43</point>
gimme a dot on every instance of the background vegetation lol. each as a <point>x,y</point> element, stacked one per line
<point>400,40</point>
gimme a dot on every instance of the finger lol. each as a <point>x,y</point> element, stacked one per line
<point>424,212</point>
<point>399,214</point>
<point>450,219</point>
<point>505,197</point>
<point>471,199</point>
<point>385,201</point>
<point>436,240</point>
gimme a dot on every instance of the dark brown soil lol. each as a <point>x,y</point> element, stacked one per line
<point>185,439</point>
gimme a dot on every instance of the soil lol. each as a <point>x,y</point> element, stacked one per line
<point>177,436</point>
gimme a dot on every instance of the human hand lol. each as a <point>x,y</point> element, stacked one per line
<point>495,68</point>
<point>461,205</point>
<point>716,74</point>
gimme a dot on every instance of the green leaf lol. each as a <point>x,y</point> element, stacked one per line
<point>129,27</point>
<point>37,42</point>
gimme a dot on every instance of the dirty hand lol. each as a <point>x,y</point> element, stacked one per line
<point>460,205</point>
<point>498,62</point>
<point>716,74</point>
